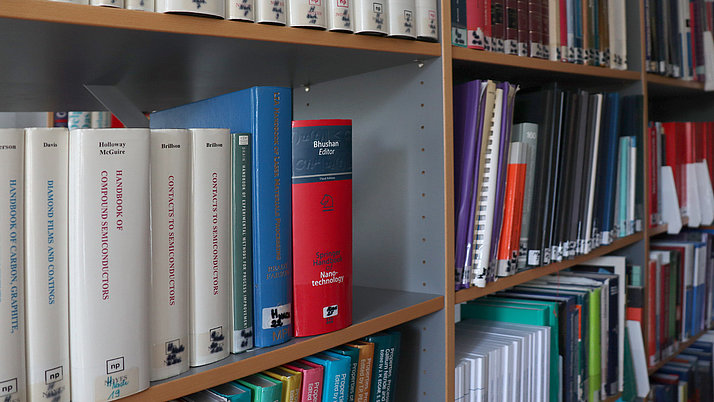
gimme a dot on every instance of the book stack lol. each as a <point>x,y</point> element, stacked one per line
<point>363,370</point>
<point>557,335</point>
<point>678,38</point>
<point>687,376</point>
<point>592,33</point>
<point>410,19</point>
<point>570,154</point>
<point>680,172</point>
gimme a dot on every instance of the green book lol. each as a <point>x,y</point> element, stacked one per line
<point>353,354</point>
<point>396,342</point>
<point>381,366</point>
<point>594,352</point>
<point>629,389</point>
<point>553,320</point>
<point>242,306</point>
<point>265,389</point>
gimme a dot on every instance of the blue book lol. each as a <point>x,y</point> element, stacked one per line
<point>265,113</point>
<point>381,366</point>
<point>336,378</point>
<point>607,168</point>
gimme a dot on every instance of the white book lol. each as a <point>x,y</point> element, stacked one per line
<point>12,312</point>
<point>486,204</point>
<point>589,231</point>
<point>370,16</point>
<point>270,11</point>
<point>100,119</point>
<point>306,13</point>
<point>79,120</point>
<point>684,32</point>
<point>617,25</point>
<point>692,189</point>
<point>109,262</point>
<point>241,10</point>
<point>46,264</point>
<point>706,193</point>
<point>631,186</point>
<point>210,240</point>
<point>107,3</point>
<point>401,18</point>
<point>670,204</point>
<point>141,5</point>
<point>639,362</point>
<point>554,30</point>
<point>427,22</point>
<point>339,15</point>
<point>170,152</point>
<point>212,8</point>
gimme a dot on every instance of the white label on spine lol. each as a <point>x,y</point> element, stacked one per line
<point>278,316</point>
<point>339,15</point>
<point>240,10</point>
<point>270,11</point>
<point>306,13</point>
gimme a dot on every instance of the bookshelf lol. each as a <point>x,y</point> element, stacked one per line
<point>398,93</point>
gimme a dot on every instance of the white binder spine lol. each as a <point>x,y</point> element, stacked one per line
<point>270,12</point>
<point>46,262</point>
<point>306,13</point>
<point>339,15</point>
<point>212,8</point>
<point>241,10</point>
<point>402,16</point>
<point>141,5</point>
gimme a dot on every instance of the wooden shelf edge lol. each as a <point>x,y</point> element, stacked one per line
<point>480,56</point>
<point>465,295</point>
<point>673,82</point>
<point>106,17</point>
<point>680,348</point>
<point>201,380</point>
<point>657,230</point>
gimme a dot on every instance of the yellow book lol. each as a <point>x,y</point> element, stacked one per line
<point>292,381</point>
<point>364,369</point>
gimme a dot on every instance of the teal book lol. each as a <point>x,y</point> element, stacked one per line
<point>233,392</point>
<point>396,343</point>
<point>264,388</point>
<point>337,371</point>
<point>381,366</point>
<point>552,321</point>
<point>353,354</point>
<point>265,113</point>
<point>594,352</point>
<point>242,307</point>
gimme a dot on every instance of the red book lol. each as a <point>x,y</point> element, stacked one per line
<point>653,175</point>
<point>522,27</point>
<point>709,146</point>
<point>498,26</point>
<point>688,137</point>
<point>664,340</point>
<point>311,387</point>
<point>322,225</point>
<point>563,30</point>
<point>508,243</point>
<point>651,313</point>
<point>475,23</point>
<point>511,14</point>
<point>674,157</point>
<point>535,37</point>
<point>487,34</point>
<point>544,29</point>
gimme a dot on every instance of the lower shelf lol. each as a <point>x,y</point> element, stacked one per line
<point>373,310</point>
<point>465,295</point>
<point>680,348</point>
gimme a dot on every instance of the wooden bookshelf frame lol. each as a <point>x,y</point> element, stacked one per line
<point>680,348</point>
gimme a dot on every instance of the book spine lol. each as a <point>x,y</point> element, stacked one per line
<point>522,6</point>
<point>535,20</point>
<point>475,16</point>
<point>553,30</point>
<point>242,289</point>
<point>364,371</point>
<point>631,185</point>
<point>427,22</point>
<point>339,15</point>
<point>563,29</point>
<point>214,8</point>
<point>46,264</point>
<point>511,16</point>
<point>484,7</point>
<point>604,33</point>
<point>100,119</point>
<point>240,10</point>
<point>508,244</point>
<point>141,5</point>
<point>270,12</point>
<point>107,3</point>
<point>371,17</point>
<point>210,233</point>
<point>79,120</point>
<point>109,214</point>
<point>169,307</point>
<point>528,134</point>
<point>272,224</point>
<point>652,176</point>
<point>651,313</point>
<point>306,13</point>
<point>401,17</point>
<point>13,384</point>
<point>322,225</point>
<point>458,22</point>
<point>498,26</point>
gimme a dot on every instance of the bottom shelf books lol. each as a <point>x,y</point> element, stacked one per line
<point>688,376</point>
<point>363,370</point>
<point>559,337</point>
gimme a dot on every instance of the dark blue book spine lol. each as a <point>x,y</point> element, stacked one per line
<point>608,193</point>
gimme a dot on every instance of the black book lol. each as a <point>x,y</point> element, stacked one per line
<point>588,166</point>
<point>552,238</point>
<point>577,171</point>
<point>564,194</point>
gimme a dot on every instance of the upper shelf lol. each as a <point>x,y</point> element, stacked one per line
<point>519,68</point>
<point>661,86</point>
<point>50,49</point>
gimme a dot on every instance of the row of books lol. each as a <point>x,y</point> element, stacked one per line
<point>585,32</point>
<point>140,249</point>
<point>678,37</point>
<point>574,352</point>
<point>570,155</point>
<point>364,370</point>
<point>680,274</point>
<point>417,19</point>
<point>688,376</point>
<point>680,173</point>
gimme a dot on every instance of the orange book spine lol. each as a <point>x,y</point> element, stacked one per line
<point>508,243</point>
